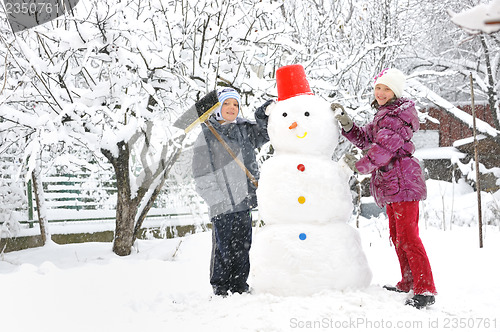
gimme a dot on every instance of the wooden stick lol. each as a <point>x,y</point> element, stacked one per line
<point>476,156</point>
<point>228,149</point>
<point>496,21</point>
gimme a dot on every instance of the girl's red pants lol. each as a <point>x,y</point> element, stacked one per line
<point>415,267</point>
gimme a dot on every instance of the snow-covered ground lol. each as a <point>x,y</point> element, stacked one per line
<point>164,285</point>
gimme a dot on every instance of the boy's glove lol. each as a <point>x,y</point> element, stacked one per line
<point>263,111</point>
<point>342,117</point>
<point>269,105</point>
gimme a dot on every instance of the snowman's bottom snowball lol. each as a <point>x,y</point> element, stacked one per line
<point>303,259</point>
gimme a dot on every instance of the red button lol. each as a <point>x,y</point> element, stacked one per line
<point>301,167</point>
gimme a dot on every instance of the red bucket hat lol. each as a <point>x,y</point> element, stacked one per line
<point>291,81</point>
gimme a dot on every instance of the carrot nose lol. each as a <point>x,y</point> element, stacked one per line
<point>294,125</point>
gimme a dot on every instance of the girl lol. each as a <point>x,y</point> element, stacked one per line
<point>226,189</point>
<point>397,180</point>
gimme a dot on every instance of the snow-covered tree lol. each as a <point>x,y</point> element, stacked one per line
<point>444,61</point>
<point>114,77</point>
<point>88,81</point>
<point>100,89</point>
<point>12,196</point>
<point>482,20</point>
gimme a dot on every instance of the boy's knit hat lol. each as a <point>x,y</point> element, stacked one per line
<point>394,79</point>
<point>224,94</point>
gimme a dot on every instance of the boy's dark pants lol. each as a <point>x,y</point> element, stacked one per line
<point>231,241</point>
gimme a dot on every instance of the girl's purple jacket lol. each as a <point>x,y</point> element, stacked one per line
<point>396,174</point>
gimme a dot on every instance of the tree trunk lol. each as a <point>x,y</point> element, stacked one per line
<point>125,220</point>
<point>146,209</point>
<point>128,217</point>
<point>40,203</point>
<point>166,166</point>
<point>126,207</point>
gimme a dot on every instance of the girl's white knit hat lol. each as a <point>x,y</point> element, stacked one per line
<point>394,79</point>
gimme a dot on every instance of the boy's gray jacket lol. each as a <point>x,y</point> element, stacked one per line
<point>219,180</point>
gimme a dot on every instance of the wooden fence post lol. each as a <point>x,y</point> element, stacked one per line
<point>476,157</point>
<point>30,204</point>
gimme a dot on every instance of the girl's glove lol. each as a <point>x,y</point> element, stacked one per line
<point>342,117</point>
<point>351,160</point>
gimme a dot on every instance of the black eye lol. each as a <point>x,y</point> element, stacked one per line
<point>306,114</point>
<point>285,115</point>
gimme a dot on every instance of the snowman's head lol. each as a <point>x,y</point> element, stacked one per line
<point>303,124</point>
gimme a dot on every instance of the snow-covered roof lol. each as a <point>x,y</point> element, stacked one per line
<point>417,89</point>
<point>467,140</point>
<point>446,152</point>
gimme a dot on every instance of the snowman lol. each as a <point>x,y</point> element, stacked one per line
<point>306,245</point>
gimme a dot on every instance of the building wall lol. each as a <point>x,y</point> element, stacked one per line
<point>450,128</point>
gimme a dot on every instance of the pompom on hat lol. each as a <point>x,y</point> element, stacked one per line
<point>291,81</point>
<point>394,79</point>
<point>223,95</point>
